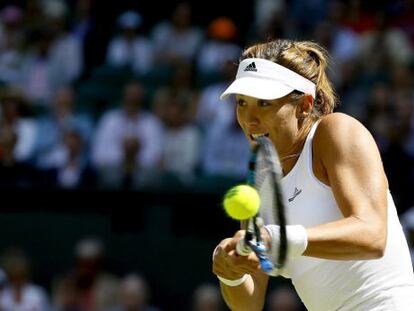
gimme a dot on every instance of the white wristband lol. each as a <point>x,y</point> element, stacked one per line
<point>297,240</point>
<point>233,283</point>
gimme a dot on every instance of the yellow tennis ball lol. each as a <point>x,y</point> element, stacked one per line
<point>241,202</point>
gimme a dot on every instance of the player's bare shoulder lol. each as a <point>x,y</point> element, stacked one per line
<point>340,135</point>
<point>339,128</point>
<point>340,125</point>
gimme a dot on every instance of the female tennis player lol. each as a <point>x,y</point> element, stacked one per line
<point>346,248</point>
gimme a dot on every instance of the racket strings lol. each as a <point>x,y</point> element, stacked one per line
<point>268,173</point>
<point>265,186</point>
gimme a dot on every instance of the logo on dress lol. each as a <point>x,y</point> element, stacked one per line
<point>295,194</point>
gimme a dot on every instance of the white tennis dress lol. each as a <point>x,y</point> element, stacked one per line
<point>385,284</point>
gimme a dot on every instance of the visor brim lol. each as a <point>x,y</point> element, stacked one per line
<point>257,88</point>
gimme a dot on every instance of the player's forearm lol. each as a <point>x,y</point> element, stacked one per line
<point>347,239</point>
<point>248,296</point>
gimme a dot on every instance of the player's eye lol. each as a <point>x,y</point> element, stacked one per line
<point>241,103</point>
<point>263,103</point>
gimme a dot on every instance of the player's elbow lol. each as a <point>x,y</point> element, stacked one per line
<point>372,237</point>
<point>378,243</point>
<point>376,251</point>
<point>380,248</point>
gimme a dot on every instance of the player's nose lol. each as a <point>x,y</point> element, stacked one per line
<point>252,118</point>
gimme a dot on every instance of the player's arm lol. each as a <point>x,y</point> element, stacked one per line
<point>249,295</point>
<point>353,169</point>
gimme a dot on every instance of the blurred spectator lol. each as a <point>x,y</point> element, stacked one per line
<point>407,221</point>
<point>352,93</point>
<point>92,31</point>
<point>307,13</point>
<point>211,110</point>
<point>359,19</point>
<point>388,43</point>
<point>129,48</point>
<point>33,14</point>
<point>66,49</point>
<point>13,115</point>
<point>20,294</point>
<point>52,127</point>
<point>87,287</point>
<point>181,138</point>
<point>14,173</point>
<point>56,58</point>
<point>399,153</point>
<point>225,151</point>
<point>219,49</point>
<point>400,118</point>
<point>36,68</point>
<point>272,20</point>
<point>127,146</point>
<point>134,295</point>
<point>11,44</point>
<point>264,14</point>
<point>83,20</point>
<point>401,79</point>
<point>341,41</point>
<point>75,171</point>
<point>403,16</point>
<point>182,79</point>
<point>283,299</point>
<point>3,279</point>
<point>177,40</point>
<point>378,114</point>
<point>206,297</point>
<point>68,162</point>
<point>182,83</point>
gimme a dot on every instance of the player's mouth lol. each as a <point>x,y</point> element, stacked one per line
<point>256,136</point>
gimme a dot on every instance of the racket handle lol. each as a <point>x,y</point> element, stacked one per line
<point>242,249</point>
<point>266,264</point>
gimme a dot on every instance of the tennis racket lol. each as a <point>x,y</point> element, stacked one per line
<point>264,174</point>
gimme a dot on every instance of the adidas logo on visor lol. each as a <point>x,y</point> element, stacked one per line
<point>251,67</point>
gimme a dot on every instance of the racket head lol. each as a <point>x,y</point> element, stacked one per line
<point>265,174</point>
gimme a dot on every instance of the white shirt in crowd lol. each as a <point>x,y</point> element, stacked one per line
<point>183,44</point>
<point>137,53</point>
<point>33,298</point>
<point>43,76</point>
<point>181,150</point>
<point>26,131</point>
<point>115,127</point>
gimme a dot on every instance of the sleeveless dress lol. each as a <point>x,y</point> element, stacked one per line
<point>383,284</point>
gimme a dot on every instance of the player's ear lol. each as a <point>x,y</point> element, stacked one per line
<point>304,107</point>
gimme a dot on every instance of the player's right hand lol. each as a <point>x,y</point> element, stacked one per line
<point>228,264</point>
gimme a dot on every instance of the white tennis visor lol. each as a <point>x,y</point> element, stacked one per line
<point>264,79</point>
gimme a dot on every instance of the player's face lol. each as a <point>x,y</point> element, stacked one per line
<point>273,118</point>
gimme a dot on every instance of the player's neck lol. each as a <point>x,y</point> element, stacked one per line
<point>289,159</point>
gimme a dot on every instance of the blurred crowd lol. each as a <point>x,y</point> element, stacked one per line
<point>150,115</point>
<point>89,286</point>
<point>139,119</point>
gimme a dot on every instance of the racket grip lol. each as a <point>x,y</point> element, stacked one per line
<point>266,264</point>
<point>242,249</point>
